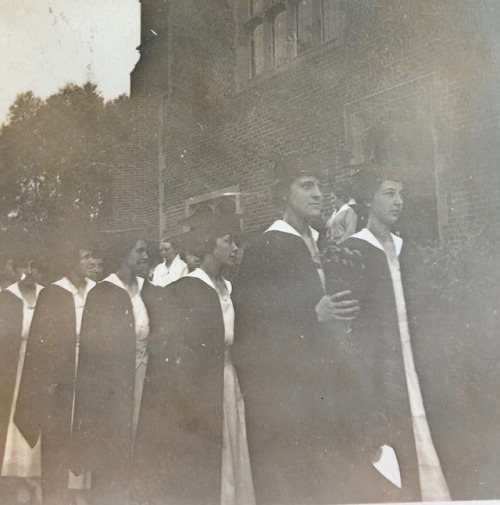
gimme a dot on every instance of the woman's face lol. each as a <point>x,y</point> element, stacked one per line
<point>192,261</point>
<point>387,204</point>
<point>225,251</point>
<point>29,273</point>
<point>167,251</point>
<point>96,269</point>
<point>304,198</point>
<point>82,269</point>
<point>138,258</point>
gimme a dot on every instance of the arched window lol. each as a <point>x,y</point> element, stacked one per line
<point>257,50</point>
<point>305,19</point>
<point>280,38</point>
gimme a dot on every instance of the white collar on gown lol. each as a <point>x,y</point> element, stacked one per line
<point>114,279</point>
<point>284,227</point>
<point>366,235</point>
<point>199,273</point>
<point>66,284</point>
<point>14,289</point>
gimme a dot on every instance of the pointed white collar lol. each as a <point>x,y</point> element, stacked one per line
<point>199,273</point>
<point>114,279</point>
<point>366,235</point>
<point>284,227</point>
<point>66,284</point>
<point>14,289</point>
<point>345,206</point>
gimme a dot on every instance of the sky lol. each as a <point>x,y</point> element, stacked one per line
<point>45,44</point>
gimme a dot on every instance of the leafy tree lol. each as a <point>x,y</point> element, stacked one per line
<point>57,157</point>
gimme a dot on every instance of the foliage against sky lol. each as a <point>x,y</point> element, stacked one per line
<point>57,158</point>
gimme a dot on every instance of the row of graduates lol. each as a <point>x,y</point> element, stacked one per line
<point>358,385</point>
<point>85,365</point>
<point>334,405</point>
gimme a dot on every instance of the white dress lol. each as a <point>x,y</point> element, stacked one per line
<point>20,459</point>
<point>141,320</point>
<point>237,483</point>
<point>433,484</point>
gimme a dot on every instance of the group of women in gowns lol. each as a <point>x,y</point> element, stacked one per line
<point>44,406</point>
<point>82,389</point>
<point>135,389</point>
<point>336,412</point>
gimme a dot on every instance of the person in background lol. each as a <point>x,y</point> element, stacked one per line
<point>17,305</point>
<point>191,442</point>
<point>399,461</point>
<point>185,244</point>
<point>281,351</point>
<point>118,318</point>
<point>342,222</point>
<point>172,268</point>
<point>192,261</point>
<point>96,266</point>
<point>46,396</point>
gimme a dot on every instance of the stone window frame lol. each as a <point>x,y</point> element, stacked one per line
<point>232,192</point>
<point>251,66</point>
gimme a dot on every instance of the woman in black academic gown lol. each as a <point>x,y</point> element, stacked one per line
<point>281,350</point>
<point>45,402</point>
<point>118,318</point>
<point>389,356</point>
<point>191,441</point>
<point>17,304</point>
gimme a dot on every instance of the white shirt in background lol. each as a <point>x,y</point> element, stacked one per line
<point>163,275</point>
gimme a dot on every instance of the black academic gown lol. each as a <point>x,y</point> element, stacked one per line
<point>373,359</point>
<point>46,392</point>
<point>102,431</point>
<point>178,452</point>
<point>283,369</point>
<point>11,321</point>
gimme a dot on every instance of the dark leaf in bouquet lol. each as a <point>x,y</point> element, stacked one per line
<point>344,270</point>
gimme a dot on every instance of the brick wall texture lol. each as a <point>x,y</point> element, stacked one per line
<point>428,69</point>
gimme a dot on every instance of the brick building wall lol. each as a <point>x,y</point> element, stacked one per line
<point>411,82</point>
<point>136,182</point>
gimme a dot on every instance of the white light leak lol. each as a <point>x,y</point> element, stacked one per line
<point>66,42</point>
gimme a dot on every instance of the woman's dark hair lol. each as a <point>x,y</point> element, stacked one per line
<point>370,177</point>
<point>117,246</point>
<point>22,260</point>
<point>201,240</point>
<point>68,254</point>
<point>203,246</point>
<point>287,169</point>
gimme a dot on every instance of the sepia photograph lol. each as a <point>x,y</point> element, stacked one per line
<point>249,252</point>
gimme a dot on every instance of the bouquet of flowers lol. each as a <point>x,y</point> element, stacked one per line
<point>344,270</point>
